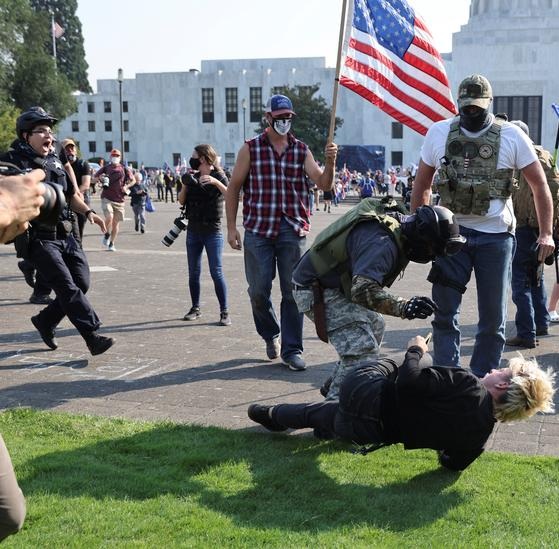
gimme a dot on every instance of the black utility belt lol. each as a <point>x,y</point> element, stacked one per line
<point>62,230</point>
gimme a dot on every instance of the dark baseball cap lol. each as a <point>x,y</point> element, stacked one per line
<point>475,90</point>
<point>279,104</point>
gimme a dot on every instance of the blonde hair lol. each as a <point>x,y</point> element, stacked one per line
<point>530,391</point>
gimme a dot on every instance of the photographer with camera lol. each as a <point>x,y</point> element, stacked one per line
<point>49,243</point>
<point>202,195</point>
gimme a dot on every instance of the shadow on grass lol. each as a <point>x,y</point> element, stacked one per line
<point>257,480</point>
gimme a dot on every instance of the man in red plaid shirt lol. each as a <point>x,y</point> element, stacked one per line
<point>273,169</point>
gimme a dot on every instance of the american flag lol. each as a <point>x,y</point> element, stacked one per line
<point>390,60</point>
<point>57,30</point>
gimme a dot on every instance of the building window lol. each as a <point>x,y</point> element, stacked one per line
<point>108,125</point>
<point>127,146</point>
<point>176,159</point>
<point>255,104</point>
<point>396,158</point>
<point>92,146</point>
<point>108,146</point>
<point>527,108</point>
<point>125,106</point>
<point>231,105</point>
<point>91,125</point>
<point>125,125</point>
<point>90,106</point>
<point>75,126</point>
<point>229,160</point>
<point>207,105</point>
<point>278,90</point>
<point>107,106</point>
<point>397,130</point>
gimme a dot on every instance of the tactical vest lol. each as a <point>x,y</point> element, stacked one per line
<point>329,253</point>
<point>469,177</point>
<point>524,207</point>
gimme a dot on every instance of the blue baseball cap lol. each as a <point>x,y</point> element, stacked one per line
<point>279,104</point>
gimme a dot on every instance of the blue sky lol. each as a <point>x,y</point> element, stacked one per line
<point>175,35</point>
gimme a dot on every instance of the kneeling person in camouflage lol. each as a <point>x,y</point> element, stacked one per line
<point>340,283</point>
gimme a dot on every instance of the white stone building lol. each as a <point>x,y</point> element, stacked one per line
<point>511,42</point>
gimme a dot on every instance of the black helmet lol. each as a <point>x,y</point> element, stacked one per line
<point>27,120</point>
<point>433,231</point>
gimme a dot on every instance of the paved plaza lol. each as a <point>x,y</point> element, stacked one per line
<point>197,372</point>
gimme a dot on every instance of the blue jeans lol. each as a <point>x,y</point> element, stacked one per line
<point>529,297</point>
<point>262,256</point>
<point>490,257</point>
<point>195,244</point>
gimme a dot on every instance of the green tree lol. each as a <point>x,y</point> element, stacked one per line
<point>35,79</point>
<point>8,116</point>
<point>70,52</point>
<point>312,122</point>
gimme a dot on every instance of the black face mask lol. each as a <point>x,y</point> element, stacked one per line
<point>474,122</point>
<point>194,163</point>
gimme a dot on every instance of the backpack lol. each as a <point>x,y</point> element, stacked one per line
<point>524,207</point>
<point>366,189</point>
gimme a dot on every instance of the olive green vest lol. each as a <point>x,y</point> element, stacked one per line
<point>469,177</point>
<point>524,207</point>
<point>328,252</point>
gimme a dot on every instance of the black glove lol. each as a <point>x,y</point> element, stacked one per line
<point>419,307</point>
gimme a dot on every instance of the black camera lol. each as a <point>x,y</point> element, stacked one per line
<point>54,200</point>
<point>179,225</point>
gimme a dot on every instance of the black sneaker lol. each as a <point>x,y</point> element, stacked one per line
<point>193,314</point>
<point>47,335</point>
<point>260,414</point>
<point>224,319</point>
<point>98,344</point>
<point>40,299</point>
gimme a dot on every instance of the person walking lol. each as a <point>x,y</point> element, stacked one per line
<point>169,185</point>
<point>202,195</point>
<point>476,154</point>
<point>273,169</point>
<point>138,195</point>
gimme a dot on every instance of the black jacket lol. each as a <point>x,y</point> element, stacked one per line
<point>442,408</point>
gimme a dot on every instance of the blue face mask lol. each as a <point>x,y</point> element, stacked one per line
<point>282,125</point>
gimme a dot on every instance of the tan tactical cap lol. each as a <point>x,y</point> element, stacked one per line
<point>475,90</point>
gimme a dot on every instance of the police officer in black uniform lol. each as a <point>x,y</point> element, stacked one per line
<point>51,247</point>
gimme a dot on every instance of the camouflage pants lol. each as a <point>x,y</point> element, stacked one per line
<point>355,332</point>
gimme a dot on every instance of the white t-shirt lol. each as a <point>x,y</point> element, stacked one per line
<point>516,151</point>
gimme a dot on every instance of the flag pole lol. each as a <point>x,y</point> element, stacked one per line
<point>554,160</point>
<point>337,78</point>
<point>53,38</point>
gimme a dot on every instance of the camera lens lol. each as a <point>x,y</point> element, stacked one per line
<point>178,226</point>
<point>53,205</point>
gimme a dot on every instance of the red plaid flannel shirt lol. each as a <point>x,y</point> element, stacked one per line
<point>276,187</point>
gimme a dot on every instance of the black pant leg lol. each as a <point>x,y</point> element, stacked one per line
<point>317,415</point>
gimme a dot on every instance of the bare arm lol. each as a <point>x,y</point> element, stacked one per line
<point>72,176</point>
<point>324,179</point>
<point>421,192</point>
<point>535,177</point>
<point>78,205</point>
<point>240,173</point>
<point>85,183</point>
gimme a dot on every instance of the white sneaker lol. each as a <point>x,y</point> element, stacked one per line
<point>553,316</point>
<point>111,248</point>
<point>106,240</point>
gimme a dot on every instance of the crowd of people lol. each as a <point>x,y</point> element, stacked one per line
<point>341,282</point>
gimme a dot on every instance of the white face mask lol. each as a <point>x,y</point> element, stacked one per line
<point>282,126</point>
<point>115,160</point>
<point>71,158</point>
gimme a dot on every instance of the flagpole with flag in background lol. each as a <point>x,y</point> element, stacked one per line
<point>391,61</point>
<point>56,31</point>
<point>337,77</point>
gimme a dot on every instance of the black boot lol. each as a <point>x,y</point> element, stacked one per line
<point>47,334</point>
<point>98,344</point>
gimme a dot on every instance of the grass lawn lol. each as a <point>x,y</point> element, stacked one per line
<point>95,482</point>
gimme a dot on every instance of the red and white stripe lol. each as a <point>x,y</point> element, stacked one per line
<point>414,90</point>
